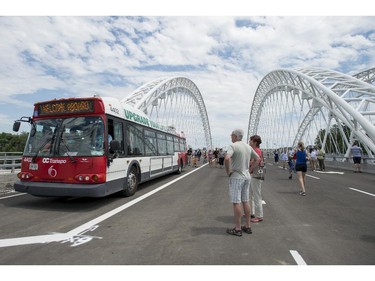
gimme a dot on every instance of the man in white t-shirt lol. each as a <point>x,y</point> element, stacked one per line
<point>237,166</point>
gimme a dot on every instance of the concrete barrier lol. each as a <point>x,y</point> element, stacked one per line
<point>349,166</point>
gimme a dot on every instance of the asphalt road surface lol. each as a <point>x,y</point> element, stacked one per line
<point>182,220</point>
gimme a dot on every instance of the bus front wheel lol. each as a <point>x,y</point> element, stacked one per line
<point>131,185</point>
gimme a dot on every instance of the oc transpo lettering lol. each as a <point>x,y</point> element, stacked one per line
<point>53,161</point>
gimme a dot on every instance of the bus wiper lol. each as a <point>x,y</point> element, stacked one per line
<point>39,147</point>
<point>67,148</point>
<point>44,143</point>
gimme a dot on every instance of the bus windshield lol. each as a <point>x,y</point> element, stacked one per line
<point>59,137</point>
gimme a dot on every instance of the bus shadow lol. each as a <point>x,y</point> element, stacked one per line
<point>60,204</point>
<point>83,204</point>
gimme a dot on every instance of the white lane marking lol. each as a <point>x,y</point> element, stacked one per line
<point>263,202</point>
<point>6,197</point>
<point>312,177</point>
<point>361,191</point>
<point>297,257</point>
<point>330,172</point>
<point>61,237</point>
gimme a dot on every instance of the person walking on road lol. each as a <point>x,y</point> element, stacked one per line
<point>194,158</point>
<point>313,158</point>
<point>301,166</point>
<point>189,155</point>
<point>210,158</point>
<point>356,153</point>
<point>276,156</point>
<point>237,166</point>
<point>291,162</point>
<point>256,182</point>
<point>321,155</point>
<point>284,159</point>
<point>221,158</point>
<point>216,155</point>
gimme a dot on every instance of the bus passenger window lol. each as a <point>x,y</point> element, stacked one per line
<point>135,140</point>
<point>162,144</point>
<point>170,148</point>
<point>176,144</point>
<point>182,145</point>
<point>150,143</point>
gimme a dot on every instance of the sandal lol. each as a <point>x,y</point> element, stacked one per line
<point>234,232</point>
<point>256,220</point>
<point>246,229</point>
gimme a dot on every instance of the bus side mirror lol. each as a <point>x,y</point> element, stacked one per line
<point>17,123</point>
<point>16,126</point>
<point>114,146</point>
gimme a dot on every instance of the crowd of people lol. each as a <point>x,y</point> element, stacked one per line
<point>244,164</point>
<point>214,158</point>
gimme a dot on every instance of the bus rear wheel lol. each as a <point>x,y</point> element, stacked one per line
<point>131,184</point>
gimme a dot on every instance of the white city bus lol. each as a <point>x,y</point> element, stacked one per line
<point>93,147</point>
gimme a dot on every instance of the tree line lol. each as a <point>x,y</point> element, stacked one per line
<point>13,142</point>
<point>335,140</point>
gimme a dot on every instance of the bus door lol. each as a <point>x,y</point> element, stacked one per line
<point>116,168</point>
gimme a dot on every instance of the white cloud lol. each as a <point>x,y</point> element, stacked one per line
<point>113,56</point>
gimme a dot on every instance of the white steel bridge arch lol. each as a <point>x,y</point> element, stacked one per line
<point>293,105</point>
<point>175,102</point>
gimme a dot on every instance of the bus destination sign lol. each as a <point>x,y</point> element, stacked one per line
<point>65,107</point>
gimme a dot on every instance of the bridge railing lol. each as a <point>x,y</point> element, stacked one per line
<point>339,161</point>
<point>10,161</point>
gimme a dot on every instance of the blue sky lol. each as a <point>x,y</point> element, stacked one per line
<point>46,57</point>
